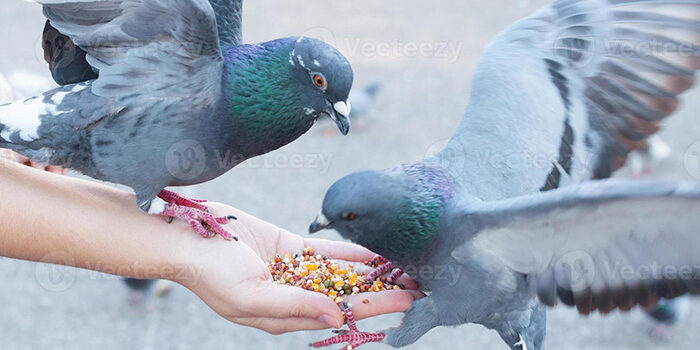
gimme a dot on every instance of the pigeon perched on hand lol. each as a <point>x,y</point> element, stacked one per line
<point>177,100</point>
<point>560,98</point>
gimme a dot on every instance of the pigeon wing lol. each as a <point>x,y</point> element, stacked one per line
<point>599,245</point>
<point>228,19</point>
<point>581,83</point>
<point>163,49</point>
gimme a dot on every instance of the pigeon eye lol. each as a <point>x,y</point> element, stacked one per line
<point>350,216</point>
<point>319,80</point>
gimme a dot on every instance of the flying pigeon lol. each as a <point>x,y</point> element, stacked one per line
<point>179,100</point>
<point>516,202</point>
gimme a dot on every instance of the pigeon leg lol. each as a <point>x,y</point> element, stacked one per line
<point>176,198</point>
<point>353,336</point>
<point>201,221</point>
<point>193,212</point>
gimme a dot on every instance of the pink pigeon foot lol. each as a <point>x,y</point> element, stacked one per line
<point>661,332</point>
<point>136,298</point>
<point>196,214</point>
<point>352,336</point>
<point>385,266</point>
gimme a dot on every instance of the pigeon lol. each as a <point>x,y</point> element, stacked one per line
<point>517,213</point>
<point>363,100</point>
<point>179,100</point>
<point>665,314</point>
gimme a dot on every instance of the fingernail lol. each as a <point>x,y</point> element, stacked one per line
<point>329,321</point>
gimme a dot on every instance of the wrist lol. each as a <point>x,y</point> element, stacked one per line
<point>179,260</point>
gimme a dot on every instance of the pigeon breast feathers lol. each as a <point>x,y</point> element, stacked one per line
<point>600,245</point>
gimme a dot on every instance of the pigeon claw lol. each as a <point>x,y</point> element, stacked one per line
<point>352,336</point>
<point>385,267</point>
<point>197,215</point>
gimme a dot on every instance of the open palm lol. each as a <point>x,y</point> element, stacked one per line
<point>233,278</point>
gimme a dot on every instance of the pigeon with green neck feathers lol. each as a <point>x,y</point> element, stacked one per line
<point>510,204</point>
<point>177,99</point>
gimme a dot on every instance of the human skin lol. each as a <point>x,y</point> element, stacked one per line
<point>64,220</point>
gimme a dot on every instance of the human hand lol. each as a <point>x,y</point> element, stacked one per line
<point>234,280</point>
<point>18,158</point>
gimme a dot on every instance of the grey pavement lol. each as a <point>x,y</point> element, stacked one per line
<point>425,54</point>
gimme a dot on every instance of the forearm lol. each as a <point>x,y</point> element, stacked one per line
<point>58,219</point>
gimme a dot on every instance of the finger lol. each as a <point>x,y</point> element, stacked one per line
<point>339,250</point>
<point>406,281</point>
<point>366,305</point>
<point>277,326</point>
<point>282,301</point>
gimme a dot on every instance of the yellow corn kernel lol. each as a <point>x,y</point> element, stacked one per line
<point>353,279</point>
<point>333,294</point>
<point>311,267</point>
<point>339,284</point>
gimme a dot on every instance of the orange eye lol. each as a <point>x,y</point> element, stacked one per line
<point>319,80</point>
<point>350,216</point>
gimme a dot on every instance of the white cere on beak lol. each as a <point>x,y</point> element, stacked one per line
<point>343,108</point>
<point>322,220</point>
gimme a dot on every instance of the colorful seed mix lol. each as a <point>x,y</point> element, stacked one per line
<point>319,274</point>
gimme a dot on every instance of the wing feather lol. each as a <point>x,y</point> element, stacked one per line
<point>598,246</point>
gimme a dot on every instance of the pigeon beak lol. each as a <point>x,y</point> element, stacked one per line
<point>341,116</point>
<point>321,223</point>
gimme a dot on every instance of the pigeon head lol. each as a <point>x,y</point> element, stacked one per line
<point>276,90</point>
<point>325,77</point>
<point>395,213</point>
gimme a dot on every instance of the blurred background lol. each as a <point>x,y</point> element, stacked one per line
<point>422,54</point>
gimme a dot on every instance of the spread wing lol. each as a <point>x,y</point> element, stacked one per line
<point>582,83</point>
<point>598,245</point>
<point>161,48</point>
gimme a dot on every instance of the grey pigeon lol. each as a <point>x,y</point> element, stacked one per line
<point>511,205</point>
<point>178,101</point>
<point>363,100</point>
